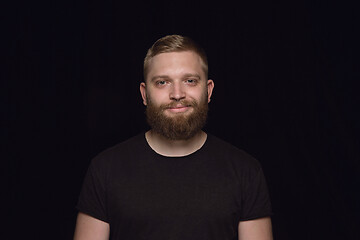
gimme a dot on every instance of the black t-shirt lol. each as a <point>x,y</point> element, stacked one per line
<point>202,196</point>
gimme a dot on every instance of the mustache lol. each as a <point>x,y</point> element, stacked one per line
<point>174,104</point>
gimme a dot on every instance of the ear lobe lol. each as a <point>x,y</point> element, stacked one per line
<point>143,92</point>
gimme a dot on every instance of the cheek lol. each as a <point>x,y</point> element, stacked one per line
<point>156,98</point>
<point>199,94</point>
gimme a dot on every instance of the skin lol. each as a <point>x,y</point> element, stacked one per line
<point>174,77</point>
<point>89,228</point>
<point>258,229</point>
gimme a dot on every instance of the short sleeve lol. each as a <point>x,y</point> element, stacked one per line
<point>92,199</point>
<point>255,200</point>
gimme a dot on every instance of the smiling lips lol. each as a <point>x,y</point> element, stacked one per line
<point>178,108</point>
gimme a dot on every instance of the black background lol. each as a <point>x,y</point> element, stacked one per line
<point>286,90</point>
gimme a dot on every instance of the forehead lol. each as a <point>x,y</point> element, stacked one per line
<point>174,63</point>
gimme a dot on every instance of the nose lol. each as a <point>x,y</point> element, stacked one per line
<point>177,92</point>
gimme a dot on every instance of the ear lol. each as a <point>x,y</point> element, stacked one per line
<point>143,92</point>
<point>210,87</point>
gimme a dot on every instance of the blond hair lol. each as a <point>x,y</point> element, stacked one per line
<point>174,43</point>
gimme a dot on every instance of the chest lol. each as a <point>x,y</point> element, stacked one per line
<point>203,193</point>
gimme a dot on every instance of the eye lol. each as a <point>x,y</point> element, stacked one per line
<point>191,81</point>
<point>161,82</point>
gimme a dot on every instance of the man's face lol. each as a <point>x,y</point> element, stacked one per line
<point>176,94</point>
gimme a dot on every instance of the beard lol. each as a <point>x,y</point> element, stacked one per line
<point>180,126</point>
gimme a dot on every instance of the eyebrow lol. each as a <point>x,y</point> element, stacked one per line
<point>159,76</point>
<point>195,75</point>
<point>187,75</point>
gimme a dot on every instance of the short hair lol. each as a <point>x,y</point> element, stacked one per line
<point>175,43</point>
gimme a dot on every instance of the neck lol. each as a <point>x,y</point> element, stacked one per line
<point>175,148</point>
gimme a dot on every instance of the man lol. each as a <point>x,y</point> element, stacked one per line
<point>174,181</point>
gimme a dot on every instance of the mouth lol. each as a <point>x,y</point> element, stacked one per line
<point>178,108</point>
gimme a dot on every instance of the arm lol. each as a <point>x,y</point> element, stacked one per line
<point>89,228</point>
<point>257,229</point>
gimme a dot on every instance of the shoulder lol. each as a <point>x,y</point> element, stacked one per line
<point>119,152</point>
<point>233,155</point>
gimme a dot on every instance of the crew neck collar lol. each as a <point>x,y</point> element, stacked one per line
<point>175,157</point>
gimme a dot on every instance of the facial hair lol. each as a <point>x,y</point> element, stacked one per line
<point>180,126</point>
